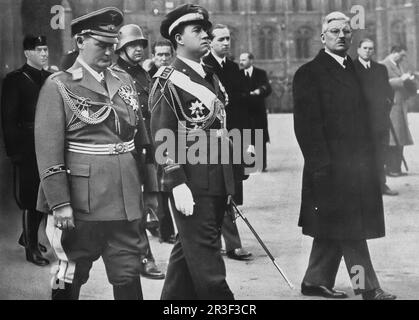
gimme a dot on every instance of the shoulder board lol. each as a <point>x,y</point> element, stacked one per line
<point>113,70</point>
<point>56,74</point>
<point>164,72</point>
<point>117,68</point>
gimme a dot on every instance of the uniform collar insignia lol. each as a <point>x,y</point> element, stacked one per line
<point>77,73</point>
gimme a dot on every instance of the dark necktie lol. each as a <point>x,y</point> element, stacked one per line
<point>208,74</point>
<point>223,64</point>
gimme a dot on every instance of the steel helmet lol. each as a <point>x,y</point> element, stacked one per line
<point>130,33</point>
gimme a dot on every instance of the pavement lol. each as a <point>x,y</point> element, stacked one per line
<point>272,203</point>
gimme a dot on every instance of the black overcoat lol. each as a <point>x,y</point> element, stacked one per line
<point>341,197</point>
<point>18,103</point>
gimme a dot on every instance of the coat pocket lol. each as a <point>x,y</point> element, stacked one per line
<point>79,187</point>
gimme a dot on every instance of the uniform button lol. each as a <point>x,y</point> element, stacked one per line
<point>143,118</point>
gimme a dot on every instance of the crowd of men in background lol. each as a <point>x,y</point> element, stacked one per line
<point>195,268</point>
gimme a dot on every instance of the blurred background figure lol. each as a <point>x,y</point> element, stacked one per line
<point>260,89</point>
<point>401,81</point>
<point>18,102</point>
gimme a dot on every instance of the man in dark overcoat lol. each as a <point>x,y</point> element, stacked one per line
<point>341,204</point>
<point>259,89</point>
<point>18,102</point>
<point>237,119</point>
<point>379,95</point>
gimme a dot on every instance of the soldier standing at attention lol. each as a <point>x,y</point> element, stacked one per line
<point>188,100</point>
<point>19,96</point>
<point>88,133</point>
<point>130,50</point>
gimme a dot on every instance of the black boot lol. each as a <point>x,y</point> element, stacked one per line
<point>31,220</point>
<point>69,292</point>
<point>130,291</point>
<point>22,242</point>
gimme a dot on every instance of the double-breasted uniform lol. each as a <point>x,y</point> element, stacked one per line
<point>341,202</point>
<point>19,97</point>
<point>196,269</point>
<point>87,137</point>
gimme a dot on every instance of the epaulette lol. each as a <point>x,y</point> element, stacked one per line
<point>54,75</point>
<point>164,72</point>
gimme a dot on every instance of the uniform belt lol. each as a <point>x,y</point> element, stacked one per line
<point>101,149</point>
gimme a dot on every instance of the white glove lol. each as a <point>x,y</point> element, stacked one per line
<point>183,199</point>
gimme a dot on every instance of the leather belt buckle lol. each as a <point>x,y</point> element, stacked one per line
<point>118,148</point>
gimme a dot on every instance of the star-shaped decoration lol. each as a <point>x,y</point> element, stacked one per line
<point>196,109</point>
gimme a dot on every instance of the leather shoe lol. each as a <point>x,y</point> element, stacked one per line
<point>239,254</point>
<point>34,256</point>
<point>378,294</point>
<point>322,291</point>
<point>396,174</point>
<point>388,192</point>
<point>21,241</point>
<point>150,270</point>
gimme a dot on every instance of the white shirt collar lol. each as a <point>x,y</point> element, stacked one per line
<point>98,76</point>
<point>249,71</point>
<point>219,60</point>
<point>338,58</point>
<point>366,64</point>
<point>197,67</point>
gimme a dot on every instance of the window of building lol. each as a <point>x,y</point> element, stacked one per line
<point>295,5</point>
<point>258,5</point>
<point>266,43</point>
<point>398,33</point>
<point>309,5</point>
<point>220,5</point>
<point>331,5</point>
<point>303,42</point>
<point>272,5</point>
<point>234,5</point>
<point>346,5</point>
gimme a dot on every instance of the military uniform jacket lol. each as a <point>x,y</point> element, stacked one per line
<point>142,82</point>
<point>102,187</point>
<point>170,105</point>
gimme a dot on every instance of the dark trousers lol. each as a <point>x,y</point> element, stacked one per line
<point>117,242</point>
<point>230,233</point>
<point>166,225</point>
<point>381,145</point>
<point>325,258</point>
<point>196,268</point>
<point>394,156</point>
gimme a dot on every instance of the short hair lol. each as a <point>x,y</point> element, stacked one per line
<point>365,40</point>
<point>398,49</point>
<point>249,55</point>
<point>162,43</point>
<point>216,27</point>
<point>333,16</point>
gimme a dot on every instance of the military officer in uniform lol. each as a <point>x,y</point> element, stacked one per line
<point>19,96</point>
<point>88,133</point>
<point>188,101</point>
<point>130,49</point>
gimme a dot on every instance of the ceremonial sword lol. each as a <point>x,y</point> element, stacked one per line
<point>261,242</point>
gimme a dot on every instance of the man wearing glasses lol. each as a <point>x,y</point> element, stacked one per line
<point>341,198</point>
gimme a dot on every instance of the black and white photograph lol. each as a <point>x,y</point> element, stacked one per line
<point>208,150</point>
